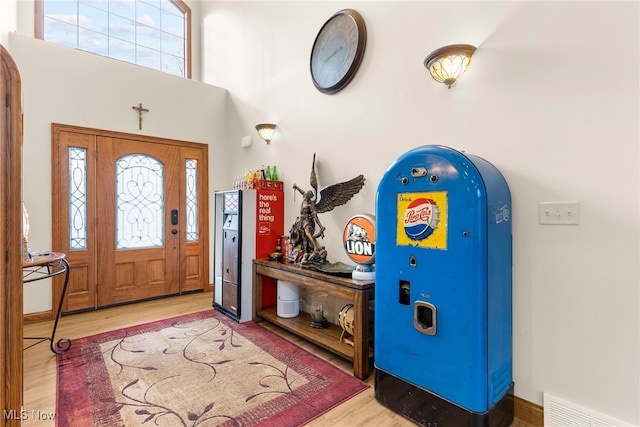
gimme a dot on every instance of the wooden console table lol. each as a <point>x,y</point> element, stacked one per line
<point>43,267</point>
<point>360,292</point>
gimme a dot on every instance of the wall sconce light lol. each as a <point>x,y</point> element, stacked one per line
<point>448,63</point>
<point>266,131</point>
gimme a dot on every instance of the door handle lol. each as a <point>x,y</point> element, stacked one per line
<point>174,217</point>
<point>174,231</point>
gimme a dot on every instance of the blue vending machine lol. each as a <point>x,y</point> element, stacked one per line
<point>443,322</point>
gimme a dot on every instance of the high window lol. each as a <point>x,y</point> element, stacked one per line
<point>151,33</point>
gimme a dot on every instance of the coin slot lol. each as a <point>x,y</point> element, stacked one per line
<point>405,293</point>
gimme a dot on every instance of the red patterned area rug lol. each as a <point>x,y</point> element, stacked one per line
<point>201,369</point>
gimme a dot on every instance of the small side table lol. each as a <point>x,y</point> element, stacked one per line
<point>44,267</point>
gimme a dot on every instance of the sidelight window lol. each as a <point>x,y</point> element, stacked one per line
<point>191,167</point>
<point>77,198</point>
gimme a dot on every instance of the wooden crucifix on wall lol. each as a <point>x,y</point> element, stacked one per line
<point>140,111</point>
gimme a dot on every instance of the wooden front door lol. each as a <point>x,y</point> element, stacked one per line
<point>131,214</point>
<point>138,227</point>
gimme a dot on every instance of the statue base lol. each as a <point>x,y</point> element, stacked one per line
<point>336,268</point>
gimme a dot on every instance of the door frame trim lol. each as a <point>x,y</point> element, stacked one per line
<point>57,128</point>
<point>11,292</point>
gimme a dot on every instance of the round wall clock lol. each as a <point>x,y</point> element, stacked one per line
<point>338,50</point>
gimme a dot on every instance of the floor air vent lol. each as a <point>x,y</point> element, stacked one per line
<point>560,413</point>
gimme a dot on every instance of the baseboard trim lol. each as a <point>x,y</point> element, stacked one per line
<point>528,412</point>
<point>41,316</point>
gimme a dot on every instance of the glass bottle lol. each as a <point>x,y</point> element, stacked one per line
<point>248,180</point>
<point>319,309</point>
<point>274,173</point>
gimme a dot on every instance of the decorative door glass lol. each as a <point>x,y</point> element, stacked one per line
<point>191,168</point>
<point>77,198</point>
<point>139,202</point>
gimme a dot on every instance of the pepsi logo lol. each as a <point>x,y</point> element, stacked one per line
<point>421,218</point>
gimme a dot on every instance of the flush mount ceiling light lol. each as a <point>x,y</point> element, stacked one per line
<point>448,63</point>
<point>266,131</point>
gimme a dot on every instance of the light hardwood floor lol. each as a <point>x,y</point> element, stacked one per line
<point>40,363</point>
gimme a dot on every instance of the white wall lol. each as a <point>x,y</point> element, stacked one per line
<point>62,85</point>
<point>551,99</point>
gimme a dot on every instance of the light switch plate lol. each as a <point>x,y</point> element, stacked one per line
<point>559,213</point>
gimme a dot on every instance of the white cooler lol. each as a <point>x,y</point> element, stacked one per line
<point>288,299</point>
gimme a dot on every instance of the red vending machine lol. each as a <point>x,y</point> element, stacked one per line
<point>248,224</point>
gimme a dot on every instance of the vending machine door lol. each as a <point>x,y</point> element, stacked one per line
<point>228,249</point>
<point>247,225</point>
<point>230,257</point>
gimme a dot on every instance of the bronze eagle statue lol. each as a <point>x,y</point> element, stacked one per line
<point>307,227</point>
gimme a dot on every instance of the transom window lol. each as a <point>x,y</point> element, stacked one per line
<point>150,33</point>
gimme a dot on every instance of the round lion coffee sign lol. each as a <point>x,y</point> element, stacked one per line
<point>359,239</point>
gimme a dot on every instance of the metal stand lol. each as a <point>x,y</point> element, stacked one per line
<point>44,267</point>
